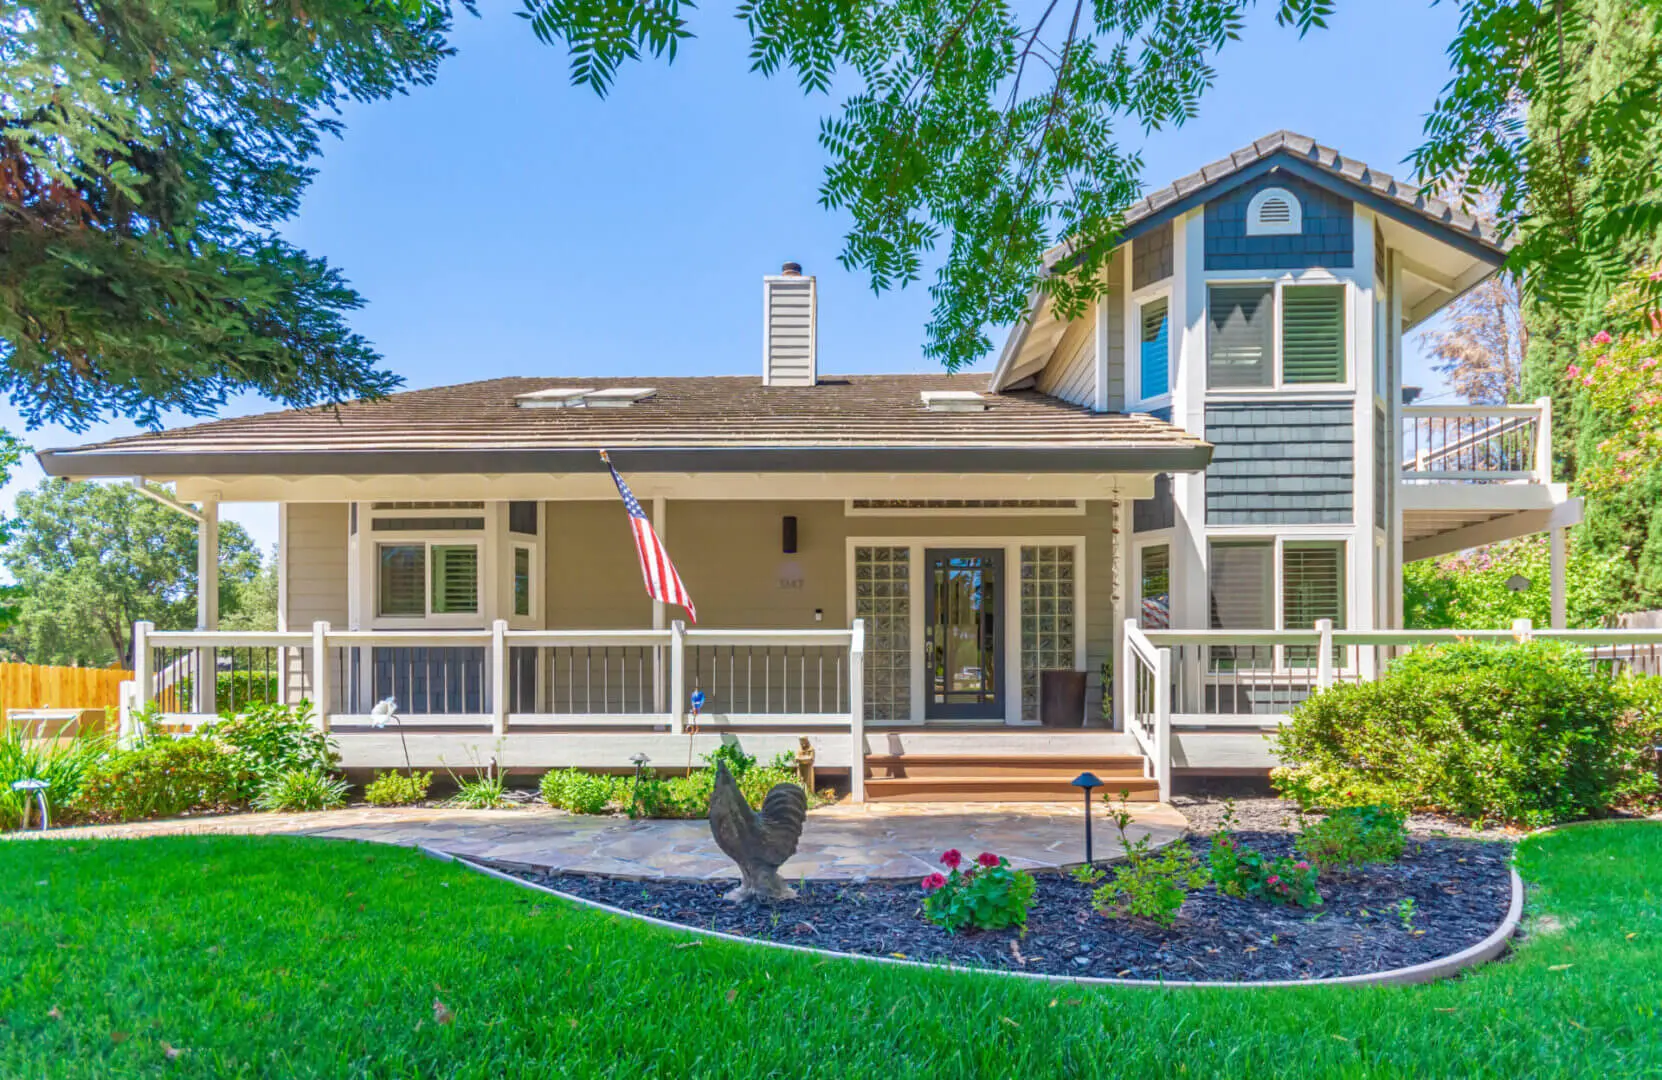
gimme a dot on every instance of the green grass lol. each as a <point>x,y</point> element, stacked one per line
<point>295,958</point>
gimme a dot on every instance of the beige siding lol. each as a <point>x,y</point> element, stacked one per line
<point>315,578</point>
<point>593,575</point>
<point>1071,371</point>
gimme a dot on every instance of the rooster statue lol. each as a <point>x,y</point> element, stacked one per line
<point>759,841</point>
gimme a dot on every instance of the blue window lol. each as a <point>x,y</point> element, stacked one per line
<point>1156,354</point>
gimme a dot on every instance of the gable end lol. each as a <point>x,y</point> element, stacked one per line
<point>1327,237</point>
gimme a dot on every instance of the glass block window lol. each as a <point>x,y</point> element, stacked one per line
<point>882,597</point>
<point>1047,619</point>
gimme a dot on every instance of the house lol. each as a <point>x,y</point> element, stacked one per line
<point>1209,472</point>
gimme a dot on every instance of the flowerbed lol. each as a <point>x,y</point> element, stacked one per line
<point>1440,897</point>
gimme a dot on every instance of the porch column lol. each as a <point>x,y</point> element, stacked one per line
<point>1558,562</point>
<point>660,616</point>
<point>207,605</point>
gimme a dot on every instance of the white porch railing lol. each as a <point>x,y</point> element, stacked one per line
<point>1477,443</point>
<point>501,680</point>
<point>1235,681</point>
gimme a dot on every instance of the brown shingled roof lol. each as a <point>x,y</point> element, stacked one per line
<point>686,414</point>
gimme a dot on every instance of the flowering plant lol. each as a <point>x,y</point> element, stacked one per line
<point>1621,375</point>
<point>991,895</point>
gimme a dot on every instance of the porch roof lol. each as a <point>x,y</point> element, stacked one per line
<point>858,423</point>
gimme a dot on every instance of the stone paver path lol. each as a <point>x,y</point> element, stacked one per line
<point>844,842</point>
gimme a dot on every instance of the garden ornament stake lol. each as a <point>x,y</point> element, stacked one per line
<point>387,709</point>
<point>1087,782</point>
<point>38,787</point>
<point>692,724</point>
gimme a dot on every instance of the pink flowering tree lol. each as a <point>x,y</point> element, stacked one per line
<point>1621,375</point>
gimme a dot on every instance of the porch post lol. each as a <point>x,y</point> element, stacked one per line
<point>141,663</point>
<point>1558,561</point>
<point>499,678</point>
<point>320,673</point>
<point>1324,654</point>
<point>677,675</point>
<point>203,687</point>
<point>857,712</point>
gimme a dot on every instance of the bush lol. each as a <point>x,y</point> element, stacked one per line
<point>298,789</point>
<point>581,792</point>
<point>654,796</point>
<point>162,778</point>
<point>267,741</point>
<point>991,895</point>
<point>1515,732</point>
<point>1148,884</point>
<point>397,789</point>
<point>1353,836</point>
<point>64,765</point>
<point>1239,870</point>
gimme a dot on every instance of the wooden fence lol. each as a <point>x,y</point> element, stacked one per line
<point>36,686</point>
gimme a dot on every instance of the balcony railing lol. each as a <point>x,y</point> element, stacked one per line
<point>499,680</point>
<point>1477,443</point>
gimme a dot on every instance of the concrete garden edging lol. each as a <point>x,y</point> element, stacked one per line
<point>1429,971</point>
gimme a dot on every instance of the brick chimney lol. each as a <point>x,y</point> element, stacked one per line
<point>790,316</point>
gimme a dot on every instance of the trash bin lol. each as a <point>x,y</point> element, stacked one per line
<point>1062,699</point>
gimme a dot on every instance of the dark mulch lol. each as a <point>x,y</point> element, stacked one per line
<point>1460,891</point>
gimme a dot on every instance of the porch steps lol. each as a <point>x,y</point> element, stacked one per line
<point>1000,777</point>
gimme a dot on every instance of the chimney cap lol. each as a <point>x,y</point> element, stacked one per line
<point>791,269</point>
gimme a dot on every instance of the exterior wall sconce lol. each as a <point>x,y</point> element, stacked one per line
<point>788,534</point>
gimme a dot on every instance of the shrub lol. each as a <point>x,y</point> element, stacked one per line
<point>266,741</point>
<point>398,789</point>
<point>581,792</point>
<point>991,895</point>
<point>63,763</point>
<point>161,778</point>
<point>482,792</point>
<point>654,796</point>
<point>299,789</point>
<point>1517,732</point>
<point>1239,870</point>
<point>1354,836</point>
<point>1148,884</point>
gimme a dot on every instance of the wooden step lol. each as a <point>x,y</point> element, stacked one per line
<point>999,789</point>
<point>1062,767</point>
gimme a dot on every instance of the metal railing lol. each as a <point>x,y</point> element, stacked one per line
<point>1477,443</point>
<point>500,680</point>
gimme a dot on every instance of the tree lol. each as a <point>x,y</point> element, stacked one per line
<point>92,559</point>
<point>1474,590</point>
<point>1481,348</point>
<point>148,151</point>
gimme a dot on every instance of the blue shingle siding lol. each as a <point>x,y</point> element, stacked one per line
<point>1160,512</point>
<point>1290,463</point>
<point>1151,257</point>
<point>1328,239</point>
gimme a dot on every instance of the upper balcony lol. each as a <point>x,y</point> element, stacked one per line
<point>1477,474</point>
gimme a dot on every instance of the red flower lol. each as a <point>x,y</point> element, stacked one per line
<point>1302,865</point>
<point>1274,879</point>
<point>1601,338</point>
<point>987,859</point>
<point>952,858</point>
<point>934,881</point>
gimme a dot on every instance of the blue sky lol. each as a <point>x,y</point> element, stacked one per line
<point>503,222</point>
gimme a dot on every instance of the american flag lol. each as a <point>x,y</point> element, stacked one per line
<point>662,582</point>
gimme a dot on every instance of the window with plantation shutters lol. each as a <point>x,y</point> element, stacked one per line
<point>1238,341</point>
<point>1312,588</point>
<point>1313,334</point>
<point>1242,588</point>
<point>455,579</point>
<point>401,580</point>
<point>1155,367</point>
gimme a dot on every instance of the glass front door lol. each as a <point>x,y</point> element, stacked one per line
<point>964,634</point>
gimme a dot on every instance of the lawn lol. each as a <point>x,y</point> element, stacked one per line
<point>221,957</point>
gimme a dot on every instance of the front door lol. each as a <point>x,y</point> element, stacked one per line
<point>963,645</point>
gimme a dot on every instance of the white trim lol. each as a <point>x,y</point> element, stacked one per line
<point>1257,226</point>
<point>1011,614</point>
<point>1076,510</point>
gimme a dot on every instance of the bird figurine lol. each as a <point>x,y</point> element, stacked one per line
<point>759,841</point>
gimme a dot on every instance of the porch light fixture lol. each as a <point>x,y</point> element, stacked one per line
<point>38,787</point>
<point>788,534</point>
<point>1087,782</point>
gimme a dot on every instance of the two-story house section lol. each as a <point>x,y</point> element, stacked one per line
<point>1261,304</point>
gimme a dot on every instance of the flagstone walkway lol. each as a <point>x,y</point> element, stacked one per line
<point>846,842</point>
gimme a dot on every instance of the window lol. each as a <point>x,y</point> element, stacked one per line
<point>1274,212</point>
<point>522,580</point>
<point>455,579</point>
<point>1313,334</point>
<point>1242,579</point>
<point>415,580</point>
<point>402,582</point>
<point>1155,588</point>
<point>1156,350</point>
<point>1239,346</point>
<point>1312,588</point>
<point>522,518</point>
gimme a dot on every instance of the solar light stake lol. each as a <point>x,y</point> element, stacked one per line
<point>24,787</point>
<point>1086,782</point>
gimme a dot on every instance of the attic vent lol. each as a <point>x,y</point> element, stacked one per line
<point>571,397</point>
<point>1274,212</point>
<point>952,401</point>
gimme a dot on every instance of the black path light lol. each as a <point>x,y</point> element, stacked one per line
<point>1086,782</point>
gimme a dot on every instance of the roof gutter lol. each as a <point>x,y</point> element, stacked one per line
<point>1131,458</point>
